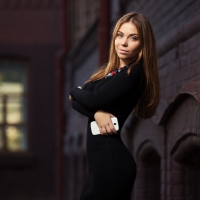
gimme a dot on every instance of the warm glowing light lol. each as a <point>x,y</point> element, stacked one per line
<point>8,87</point>
<point>14,138</point>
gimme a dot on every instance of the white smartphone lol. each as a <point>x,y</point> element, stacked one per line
<point>95,129</point>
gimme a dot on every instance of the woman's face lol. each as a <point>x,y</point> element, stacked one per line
<point>127,43</point>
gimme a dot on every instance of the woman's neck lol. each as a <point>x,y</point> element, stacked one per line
<point>123,63</point>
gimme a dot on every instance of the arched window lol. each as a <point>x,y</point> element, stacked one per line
<point>186,168</point>
<point>148,177</point>
<point>13,106</point>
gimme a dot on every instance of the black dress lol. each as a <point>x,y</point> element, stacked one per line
<point>112,169</point>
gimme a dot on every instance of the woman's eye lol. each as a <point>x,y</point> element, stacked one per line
<point>133,38</point>
<point>119,35</point>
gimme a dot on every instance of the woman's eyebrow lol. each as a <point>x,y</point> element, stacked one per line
<point>133,34</point>
<point>130,34</point>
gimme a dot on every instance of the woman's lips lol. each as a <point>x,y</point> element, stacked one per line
<point>123,51</point>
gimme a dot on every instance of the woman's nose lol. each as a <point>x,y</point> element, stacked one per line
<point>124,41</point>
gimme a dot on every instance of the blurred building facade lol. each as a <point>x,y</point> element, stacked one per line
<point>30,40</point>
<point>167,146</point>
<point>49,46</point>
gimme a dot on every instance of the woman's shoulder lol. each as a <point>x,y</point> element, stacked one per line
<point>140,64</point>
<point>137,69</point>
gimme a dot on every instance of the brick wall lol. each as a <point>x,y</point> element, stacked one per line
<point>86,12</point>
<point>175,24</point>
<point>159,144</point>
<point>31,31</point>
<point>30,22</point>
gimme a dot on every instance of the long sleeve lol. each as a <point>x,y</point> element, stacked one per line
<point>85,111</point>
<point>116,88</point>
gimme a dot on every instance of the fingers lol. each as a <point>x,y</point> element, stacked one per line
<point>103,131</point>
<point>107,129</point>
<point>111,115</point>
<point>112,128</point>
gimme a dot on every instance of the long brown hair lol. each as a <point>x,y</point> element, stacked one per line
<point>148,103</point>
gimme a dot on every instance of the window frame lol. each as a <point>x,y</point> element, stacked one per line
<point>25,95</point>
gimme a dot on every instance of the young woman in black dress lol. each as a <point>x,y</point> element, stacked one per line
<point>129,82</point>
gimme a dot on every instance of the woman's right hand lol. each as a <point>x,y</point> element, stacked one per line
<point>103,120</point>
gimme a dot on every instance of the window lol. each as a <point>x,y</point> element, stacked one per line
<point>148,181</point>
<point>13,106</point>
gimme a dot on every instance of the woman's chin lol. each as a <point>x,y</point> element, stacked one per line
<point>123,57</point>
<point>126,59</point>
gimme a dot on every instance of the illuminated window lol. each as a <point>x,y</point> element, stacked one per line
<point>13,103</point>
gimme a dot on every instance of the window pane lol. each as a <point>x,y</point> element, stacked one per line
<point>1,138</point>
<point>15,110</point>
<point>12,77</point>
<point>16,138</point>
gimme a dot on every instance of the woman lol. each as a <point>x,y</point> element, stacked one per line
<point>129,81</point>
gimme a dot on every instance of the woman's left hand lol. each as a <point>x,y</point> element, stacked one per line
<point>70,97</point>
<point>103,120</point>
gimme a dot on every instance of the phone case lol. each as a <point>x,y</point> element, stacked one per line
<point>95,129</point>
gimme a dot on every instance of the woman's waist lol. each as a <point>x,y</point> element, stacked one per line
<point>99,154</point>
<point>100,142</point>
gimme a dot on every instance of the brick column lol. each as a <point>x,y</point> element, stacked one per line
<point>60,57</point>
<point>104,31</point>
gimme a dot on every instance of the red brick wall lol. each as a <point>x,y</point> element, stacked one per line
<point>31,30</point>
<point>30,22</point>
